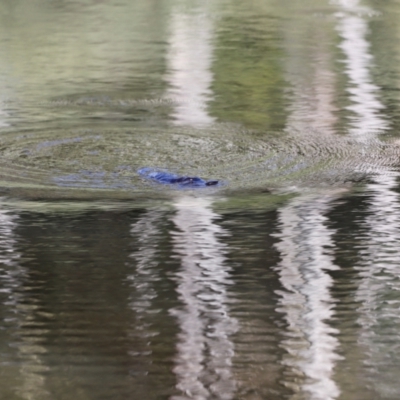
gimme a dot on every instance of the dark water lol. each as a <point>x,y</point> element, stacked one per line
<point>282,282</point>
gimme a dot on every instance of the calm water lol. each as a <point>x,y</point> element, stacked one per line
<point>281,283</point>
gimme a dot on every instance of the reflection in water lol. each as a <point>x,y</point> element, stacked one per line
<point>378,267</point>
<point>366,121</point>
<point>312,103</point>
<point>205,350</point>
<point>189,59</point>
<point>168,331</point>
<point>21,312</point>
<point>147,234</point>
<point>3,117</point>
<point>306,301</point>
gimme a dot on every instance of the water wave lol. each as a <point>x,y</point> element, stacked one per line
<point>104,162</point>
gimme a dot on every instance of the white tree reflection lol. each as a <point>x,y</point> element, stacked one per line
<point>204,349</point>
<point>20,319</point>
<point>147,234</point>
<point>313,84</point>
<point>189,62</point>
<point>380,256</point>
<point>366,120</point>
<point>306,301</point>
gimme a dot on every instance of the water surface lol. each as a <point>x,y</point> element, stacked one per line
<point>280,283</point>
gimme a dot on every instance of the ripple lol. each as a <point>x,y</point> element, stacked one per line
<point>104,162</point>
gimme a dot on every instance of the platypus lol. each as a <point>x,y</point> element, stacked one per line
<point>168,178</point>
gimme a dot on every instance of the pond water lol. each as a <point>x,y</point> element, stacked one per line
<point>280,282</point>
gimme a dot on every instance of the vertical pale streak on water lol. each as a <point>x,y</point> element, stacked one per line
<point>146,233</point>
<point>189,59</point>
<point>3,116</point>
<point>379,269</point>
<point>204,349</point>
<point>3,113</point>
<point>312,103</point>
<point>367,120</point>
<point>5,92</point>
<point>31,371</point>
<point>306,301</point>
